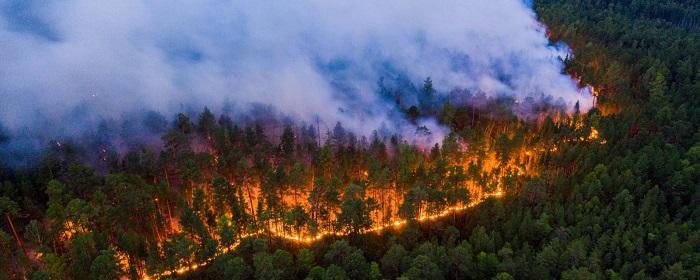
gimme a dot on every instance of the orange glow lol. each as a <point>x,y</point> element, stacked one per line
<point>491,169</point>
<point>594,134</point>
<point>309,239</point>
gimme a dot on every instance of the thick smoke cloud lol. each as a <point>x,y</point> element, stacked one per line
<point>64,65</point>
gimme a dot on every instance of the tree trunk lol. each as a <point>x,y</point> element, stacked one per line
<point>250,200</point>
<point>14,232</point>
<point>167,201</point>
<point>170,215</point>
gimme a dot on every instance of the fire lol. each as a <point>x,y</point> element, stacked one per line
<point>122,260</point>
<point>310,239</point>
<point>491,167</point>
<point>594,134</point>
<point>71,229</point>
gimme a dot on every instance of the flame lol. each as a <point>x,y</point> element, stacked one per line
<point>122,260</point>
<point>519,163</point>
<point>310,239</point>
<point>594,134</point>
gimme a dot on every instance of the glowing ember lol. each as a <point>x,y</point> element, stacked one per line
<point>321,235</point>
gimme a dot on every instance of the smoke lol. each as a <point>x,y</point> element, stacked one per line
<point>67,65</point>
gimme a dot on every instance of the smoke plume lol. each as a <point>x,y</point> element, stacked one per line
<point>68,65</point>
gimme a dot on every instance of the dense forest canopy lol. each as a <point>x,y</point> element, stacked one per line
<point>607,194</point>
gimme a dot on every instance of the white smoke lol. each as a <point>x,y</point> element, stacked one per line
<point>66,64</point>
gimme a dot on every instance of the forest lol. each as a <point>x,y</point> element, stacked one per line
<point>607,194</point>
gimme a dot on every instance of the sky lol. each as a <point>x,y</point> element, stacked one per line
<point>66,65</point>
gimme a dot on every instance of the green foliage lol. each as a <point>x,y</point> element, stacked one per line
<point>392,261</point>
<point>265,267</point>
<point>423,268</point>
<point>104,266</point>
<point>235,269</point>
<point>316,273</point>
<point>306,260</point>
<point>623,205</point>
<point>81,252</point>
<point>334,272</point>
<point>374,271</point>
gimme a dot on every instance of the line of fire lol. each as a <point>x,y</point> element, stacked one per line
<point>217,181</point>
